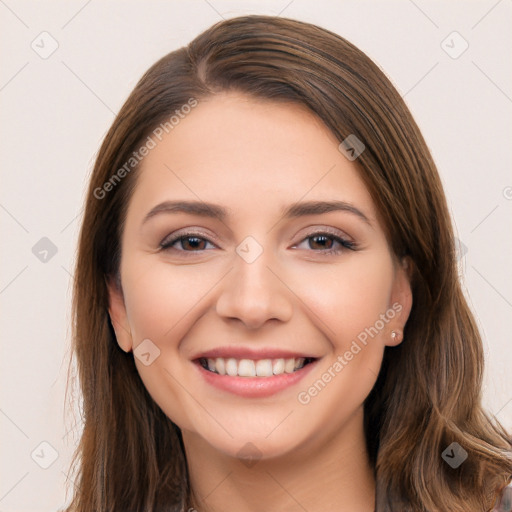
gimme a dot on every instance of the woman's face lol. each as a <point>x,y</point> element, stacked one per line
<point>266,279</point>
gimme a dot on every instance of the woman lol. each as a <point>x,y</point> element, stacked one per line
<point>267,312</point>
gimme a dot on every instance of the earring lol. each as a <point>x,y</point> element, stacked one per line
<point>396,335</point>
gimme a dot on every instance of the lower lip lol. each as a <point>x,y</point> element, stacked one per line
<point>254,387</point>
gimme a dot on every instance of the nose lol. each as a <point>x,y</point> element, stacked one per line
<point>254,293</point>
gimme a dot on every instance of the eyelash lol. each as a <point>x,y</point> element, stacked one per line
<point>346,244</point>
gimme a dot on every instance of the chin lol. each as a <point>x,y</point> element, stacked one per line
<point>250,446</point>
<point>250,450</point>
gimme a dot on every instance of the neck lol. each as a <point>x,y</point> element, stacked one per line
<point>327,475</point>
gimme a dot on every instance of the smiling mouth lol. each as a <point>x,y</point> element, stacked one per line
<point>232,367</point>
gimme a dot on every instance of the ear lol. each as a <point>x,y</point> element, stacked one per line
<point>118,316</point>
<point>400,300</point>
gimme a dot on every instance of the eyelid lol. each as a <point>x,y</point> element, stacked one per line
<point>187,232</point>
<point>192,231</point>
<point>328,230</point>
<point>345,241</point>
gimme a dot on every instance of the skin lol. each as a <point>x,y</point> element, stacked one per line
<point>256,157</point>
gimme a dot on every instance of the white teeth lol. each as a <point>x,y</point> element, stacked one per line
<point>289,365</point>
<point>246,368</point>
<point>221,366</point>
<point>232,367</point>
<point>264,368</point>
<point>251,368</point>
<point>278,366</point>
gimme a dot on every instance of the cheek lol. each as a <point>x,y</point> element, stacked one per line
<point>160,299</point>
<point>350,305</point>
<point>163,303</point>
<point>350,297</point>
<point>164,300</point>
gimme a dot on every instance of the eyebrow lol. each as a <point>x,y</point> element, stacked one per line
<point>216,211</point>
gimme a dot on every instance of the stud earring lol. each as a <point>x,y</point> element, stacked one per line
<point>396,335</point>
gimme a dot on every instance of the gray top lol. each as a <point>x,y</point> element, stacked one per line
<point>505,504</point>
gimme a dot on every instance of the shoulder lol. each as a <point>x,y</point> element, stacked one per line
<point>505,502</point>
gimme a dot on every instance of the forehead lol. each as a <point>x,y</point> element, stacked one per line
<point>249,153</point>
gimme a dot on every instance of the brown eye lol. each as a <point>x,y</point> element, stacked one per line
<point>325,243</point>
<point>188,242</point>
<point>321,241</point>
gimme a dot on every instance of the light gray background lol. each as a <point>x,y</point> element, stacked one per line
<point>56,110</point>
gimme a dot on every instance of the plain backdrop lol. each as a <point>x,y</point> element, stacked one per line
<point>68,66</point>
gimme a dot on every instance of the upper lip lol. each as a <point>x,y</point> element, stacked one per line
<point>251,353</point>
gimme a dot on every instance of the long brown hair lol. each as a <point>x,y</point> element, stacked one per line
<point>428,393</point>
